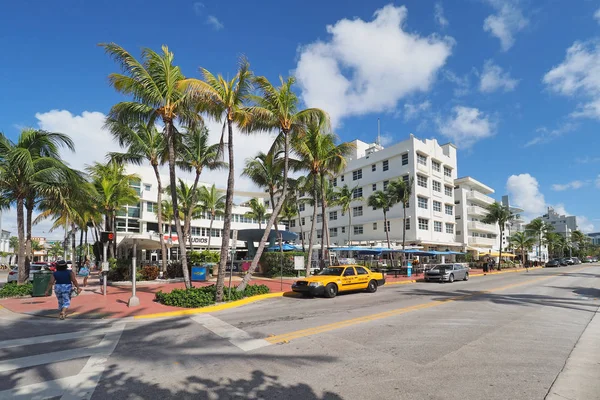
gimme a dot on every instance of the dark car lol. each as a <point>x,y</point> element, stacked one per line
<point>564,262</point>
<point>553,263</point>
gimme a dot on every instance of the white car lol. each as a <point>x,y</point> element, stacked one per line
<point>13,275</point>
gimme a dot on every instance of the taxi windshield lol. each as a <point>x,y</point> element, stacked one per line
<point>332,271</point>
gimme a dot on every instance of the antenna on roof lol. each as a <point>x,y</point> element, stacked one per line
<point>378,132</point>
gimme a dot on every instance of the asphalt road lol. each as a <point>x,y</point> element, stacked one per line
<point>495,337</point>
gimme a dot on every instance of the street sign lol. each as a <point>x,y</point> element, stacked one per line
<point>105,266</point>
<point>107,237</point>
<point>298,263</point>
<point>234,239</point>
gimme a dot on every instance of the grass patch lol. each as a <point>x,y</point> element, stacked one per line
<point>205,295</point>
<point>14,290</point>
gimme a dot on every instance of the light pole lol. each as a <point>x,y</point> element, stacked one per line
<point>133,300</point>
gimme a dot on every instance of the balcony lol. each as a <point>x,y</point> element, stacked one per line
<point>476,211</point>
<point>449,179</point>
<point>480,197</point>
<point>480,226</point>
<point>423,168</point>
<point>482,242</point>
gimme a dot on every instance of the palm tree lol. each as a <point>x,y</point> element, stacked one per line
<point>318,154</point>
<point>498,213</point>
<point>382,200</point>
<point>522,242</point>
<point>55,250</point>
<point>188,206</point>
<point>158,93</point>
<point>213,203</point>
<point>258,211</point>
<point>538,228</point>
<point>344,199</point>
<point>288,211</point>
<point>225,100</point>
<point>167,213</point>
<point>29,168</point>
<point>278,108</point>
<point>401,191</point>
<point>295,188</point>
<point>581,240</point>
<point>144,143</point>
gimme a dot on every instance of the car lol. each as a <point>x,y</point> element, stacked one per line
<point>447,273</point>
<point>576,260</point>
<point>34,268</point>
<point>332,280</point>
<point>566,262</point>
<point>553,263</point>
<point>13,274</point>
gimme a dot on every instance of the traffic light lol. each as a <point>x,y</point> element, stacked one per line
<point>107,237</point>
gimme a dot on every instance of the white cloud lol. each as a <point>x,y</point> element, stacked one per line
<point>597,15</point>
<point>577,184</point>
<point>506,22</point>
<point>524,191</point>
<point>494,78</point>
<point>587,160</point>
<point>466,126</point>
<point>462,83</point>
<point>367,67</point>
<point>198,8</point>
<point>440,19</point>
<point>214,22</point>
<point>545,135</point>
<point>579,76</point>
<point>414,110</point>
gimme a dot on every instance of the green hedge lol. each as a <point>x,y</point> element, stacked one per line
<point>271,263</point>
<point>205,295</point>
<point>14,290</point>
<point>205,256</point>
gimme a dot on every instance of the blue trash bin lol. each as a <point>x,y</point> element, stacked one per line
<point>199,273</point>
<point>409,269</point>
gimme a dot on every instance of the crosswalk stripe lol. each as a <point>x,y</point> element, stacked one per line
<point>52,338</point>
<point>236,336</point>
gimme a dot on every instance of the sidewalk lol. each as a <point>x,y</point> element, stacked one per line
<point>91,304</point>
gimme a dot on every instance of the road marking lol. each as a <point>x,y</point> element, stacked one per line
<point>80,386</point>
<point>52,338</point>
<point>373,317</point>
<point>236,336</point>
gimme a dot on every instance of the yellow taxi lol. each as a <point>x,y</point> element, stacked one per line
<point>329,281</point>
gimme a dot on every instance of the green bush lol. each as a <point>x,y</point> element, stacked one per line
<point>150,273</point>
<point>175,270</point>
<point>205,295</point>
<point>14,290</point>
<point>271,263</point>
<point>205,256</point>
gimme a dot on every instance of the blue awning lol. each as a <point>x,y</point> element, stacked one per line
<point>286,247</point>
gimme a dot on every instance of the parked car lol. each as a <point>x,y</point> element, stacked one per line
<point>553,263</point>
<point>447,273</point>
<point>332,280</point>
<point>13,275</point>
<point>576,260</point>
<point>567,261</point>
<point>34,268</point>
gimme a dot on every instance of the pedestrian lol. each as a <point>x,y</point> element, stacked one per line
<point>85,272</point>
<point>485,266</point>
<point>63,281</point>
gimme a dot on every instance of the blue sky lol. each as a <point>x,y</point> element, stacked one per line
<point>515,83</point>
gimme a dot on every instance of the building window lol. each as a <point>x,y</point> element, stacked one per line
<point>356,193</point>
<point>150,207</point>
<point>448,172</point>
<point>437,186</point>
<point>407,224</point>
<point>422,181</point>
<point>333,232</point>
<point>387,227</point>
<point>422,202</point>
<point>301,207</point>
<point>448,190</point>
<point>333,215</point>
<point>373,167</point>
<point>449,209</point>
<point>405,159</point>
<point>319,218</point>
<point>385,184</point>
<point>356,175</point>
<point>358,229</point>
<point>292,223</point>
<point>423,224</point>
<point>357,211</point>
<point>421,159</point>
<point>374,226</point>
<point>386,165</point>
<point>437,226</point>
<point>435,165</point>
<point>374,187</point>
<point>437,206</point>
<point>449,228</point>
<point>342,178</point>
<point>343,229</point>
<point>333,182</point>
<point>147,187</point>
<point>319,234</point>
<point>303,221</point>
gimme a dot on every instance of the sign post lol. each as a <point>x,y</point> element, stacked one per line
<point>233,247</point>
<point>105,238</point>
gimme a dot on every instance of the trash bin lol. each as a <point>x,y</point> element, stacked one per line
<point>199,273</point>
<point>40,283</point>
<point>409,269</point>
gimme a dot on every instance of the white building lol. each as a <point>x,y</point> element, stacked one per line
<point>431,213</point>
<point>562,224</point>
<point>537,253</point>
<point>142,218</point>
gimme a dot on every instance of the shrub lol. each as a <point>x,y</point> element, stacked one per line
<point>205,295</point>
<point>150,273</point>
<point>14,290</point>
<point>271,263</point>
<point>174,270</point>
<point>205,256</point>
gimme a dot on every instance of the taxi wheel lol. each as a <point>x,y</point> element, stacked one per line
<point>331,290</point>
<point>372,287</point>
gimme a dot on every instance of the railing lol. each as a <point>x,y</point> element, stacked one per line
<point>480,226</point>
<point>472,195</point>
<point>472,210</point>
<point>481,241</point>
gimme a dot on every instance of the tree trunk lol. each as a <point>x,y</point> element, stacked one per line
<point>404,234</point>
<point>325,234</point>
<point>385,229</point>
<point>312,226</point>
<point>276,210</point>
<point>173,183</point>
<point>74,243</point>
<point>349,226</point>
<point>87,246</point>
<point>299,224</point>
<point>80,252</point>
<point>23,275</point>
<point>500,249</point>
<point>227,219</point>
<point>188,216</point>
<point>114,230</point>
<point>163,246</point>
<point>272,196</point>
<point>28,239</point>
<point>212,218</point>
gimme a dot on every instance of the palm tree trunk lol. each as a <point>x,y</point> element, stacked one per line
<point>163,246</point>
<point>349,226</point>
<point>80,246</point>
<point>188,217</point>
<point>173,182</point>
<point>28,239</point>
<point>21,234</point>
<point>276,210</point>
<point>325,234</point>
<point>227,220</point>
<point>74,243</point>
<point>404,234</point>
<point>312,226</point>
<point>272,197</point>
<point>87,247</point>
<point>212,218</point>
<point>300,225</point>
<point>387,233</point>
<point>500,248</point>
<point>114,230</point>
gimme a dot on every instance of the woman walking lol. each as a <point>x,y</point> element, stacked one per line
<point>63,281</point>
<point>85,272</point>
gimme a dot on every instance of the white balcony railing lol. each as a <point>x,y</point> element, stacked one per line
<point>479,241</point>
<point>482,198</point>
<point>476,211</point>
<point>480,226</point>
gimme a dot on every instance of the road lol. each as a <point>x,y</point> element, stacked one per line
<point>506,336</point>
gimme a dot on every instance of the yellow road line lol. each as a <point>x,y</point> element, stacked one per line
<point>342,324</point>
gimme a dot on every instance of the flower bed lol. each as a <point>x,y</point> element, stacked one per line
<point>205,295</point>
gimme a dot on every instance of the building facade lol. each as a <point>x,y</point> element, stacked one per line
<point>539,252</point>
<point>430,222</point>
<point>562,224</point>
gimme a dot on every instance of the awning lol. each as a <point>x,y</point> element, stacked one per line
<point>285,246</point>
<point>141,240</point>
<point>496,254</point>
